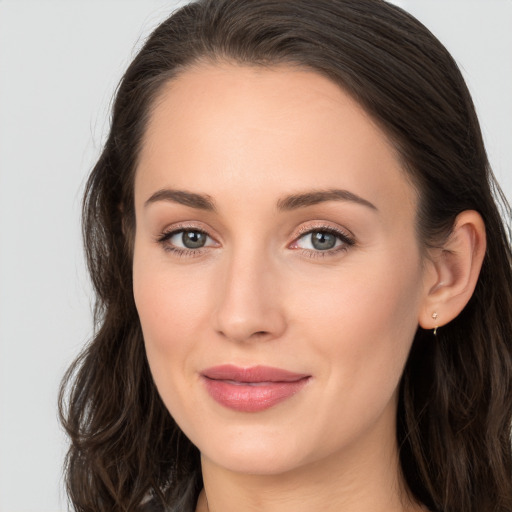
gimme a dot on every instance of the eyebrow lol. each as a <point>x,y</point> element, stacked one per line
<point>291,202</point>
<point>302,200</point>
<point>199,201</point>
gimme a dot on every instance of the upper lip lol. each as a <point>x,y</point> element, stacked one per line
<point>252,374</point>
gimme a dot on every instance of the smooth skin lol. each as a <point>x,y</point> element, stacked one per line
<point>225,148</point>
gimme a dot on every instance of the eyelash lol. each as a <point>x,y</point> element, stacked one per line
<point>347,241</point>
<point>164,237</point>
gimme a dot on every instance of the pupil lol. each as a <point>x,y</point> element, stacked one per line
<point>322,240</point>
<point>193,239</point>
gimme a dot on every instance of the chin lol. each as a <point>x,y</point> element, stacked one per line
<point>255,452</point>
<point>255,462</point>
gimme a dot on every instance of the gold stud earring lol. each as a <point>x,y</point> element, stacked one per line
<point>434,316</point>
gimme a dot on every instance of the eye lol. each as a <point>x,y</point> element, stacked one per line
<point>319,240</point>
<point>189,239</point>
<point>327,240</point>
<point>185,240</point>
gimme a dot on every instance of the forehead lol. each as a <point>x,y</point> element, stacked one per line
<point>253,129</point>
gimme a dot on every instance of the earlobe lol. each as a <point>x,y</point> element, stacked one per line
<point>454,271</point>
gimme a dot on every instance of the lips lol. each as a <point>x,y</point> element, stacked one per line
<point>252,389</point>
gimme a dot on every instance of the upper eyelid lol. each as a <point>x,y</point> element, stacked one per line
<point>185,226</point>
<point>345,238</point>
<point>322,226</point>
<point>167,234</point>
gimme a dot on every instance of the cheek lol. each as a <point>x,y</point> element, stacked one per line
<point>168,304</point>
<point>169,308</point>
<point>363,323</point>
<point>172,309</point>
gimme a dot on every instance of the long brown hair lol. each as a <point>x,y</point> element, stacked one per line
<point>455,404</point>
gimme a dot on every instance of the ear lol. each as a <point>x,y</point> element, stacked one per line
<point>453,271</point>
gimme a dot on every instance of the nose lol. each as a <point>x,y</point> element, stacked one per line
<point>249,304</point>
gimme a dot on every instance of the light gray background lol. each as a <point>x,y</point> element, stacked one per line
<point>59,64</point>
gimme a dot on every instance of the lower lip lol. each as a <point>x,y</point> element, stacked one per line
<point>252,397</point>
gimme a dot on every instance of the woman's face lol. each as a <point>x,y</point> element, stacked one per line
<point>277,273</point>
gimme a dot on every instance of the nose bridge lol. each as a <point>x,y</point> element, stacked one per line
<point>248,305</point>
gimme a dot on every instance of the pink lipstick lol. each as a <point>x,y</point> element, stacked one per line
<point>251,389</point>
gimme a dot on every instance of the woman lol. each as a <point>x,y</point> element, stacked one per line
<point>304,283</point>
